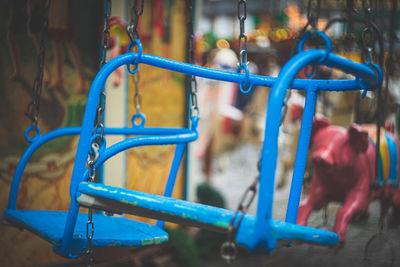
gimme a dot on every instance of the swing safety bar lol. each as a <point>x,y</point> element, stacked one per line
<point>367,77</point>
<point>263,233</point>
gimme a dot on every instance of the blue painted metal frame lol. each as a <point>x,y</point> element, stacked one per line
<point>262,239</point>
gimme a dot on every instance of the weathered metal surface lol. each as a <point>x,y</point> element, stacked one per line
<point>109,231</point>
<point>189,213</point>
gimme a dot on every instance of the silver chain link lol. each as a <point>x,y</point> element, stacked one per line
<point>368,36</point>
<point>136,12</point>
<point>137,98</point>
<point>33,110</point>
<point>133,33</point>
<point>242,15</point>
<point>229,248</point>
<point>99,127</point>
<point>105,40</point>
<point>194,110</point>
<point>91,161</point>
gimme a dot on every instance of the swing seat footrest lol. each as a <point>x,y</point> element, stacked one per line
<point>108,231</point>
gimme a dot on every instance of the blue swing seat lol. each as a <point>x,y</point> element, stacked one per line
<point>110,231</point>
<point>100,196</point>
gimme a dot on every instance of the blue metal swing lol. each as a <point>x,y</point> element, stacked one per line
<point>258,231</point>
<point>110,231</point>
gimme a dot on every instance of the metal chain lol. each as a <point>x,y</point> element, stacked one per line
<point>33,108</point>
<point>312,20</point>
<point>368,36</point>
<point>242,15</point>
<point>194,110</point>
<point>137,98</point>
<point>105,40</point>
<point>229,248</point>
<point>133,33</point>
<point>99,127</point>
<point>313,14</point>
<point>91,161</point>
<point>136,12</point>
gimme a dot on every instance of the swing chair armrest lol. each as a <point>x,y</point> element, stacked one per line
<point>185,137</point>
<point>35,145</point>
<point>40,140</point>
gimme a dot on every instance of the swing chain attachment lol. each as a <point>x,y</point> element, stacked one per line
<point>134,36</point>
<point>245,86</point>
<point>91,161</point>
<point>242,15</point>
<point>136,12</point>
<point>96,142</point>
<point>137,98</point>
<point>99,127</point>
<point>32,110</point>
<point>313,14</point>
<point>229,248</point>
<point>194,110</point>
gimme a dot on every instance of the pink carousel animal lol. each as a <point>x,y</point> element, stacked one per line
<point>343,164</point>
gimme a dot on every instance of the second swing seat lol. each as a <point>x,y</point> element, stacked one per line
<point>121,200</point>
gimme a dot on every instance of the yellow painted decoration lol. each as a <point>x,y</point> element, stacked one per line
<point>384,151</point>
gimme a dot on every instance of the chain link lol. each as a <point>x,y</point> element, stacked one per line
<point>368,36</point>
<point>97,142</point>
<point>136,12</point>
<point>99,118</point>
<point>91,161</point>
<point>137,98</point>
<point>33,110</point>
<point>133,33</point>
<point>106,32</point>
<point>229,248</point>
<point>313,14</point>
<point>242,15</point>
<point>194,110</point>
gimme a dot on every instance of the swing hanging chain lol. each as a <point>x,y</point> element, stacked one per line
<point>33,110</point>
<point>313,14</point>
<point>312,19</point>
<point>194,110</point>
<point>98,141</point>
<point>137,98</point>
<point>229,249</point>
<point>136,12</point>
<point>133,33</point>
<point>91,161</point>
<point>106,32</point>
<point>242,15</point>
<point>99,119</point>
<point>368,36</point>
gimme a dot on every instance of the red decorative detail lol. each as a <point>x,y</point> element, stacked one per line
<point>158,17</point>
